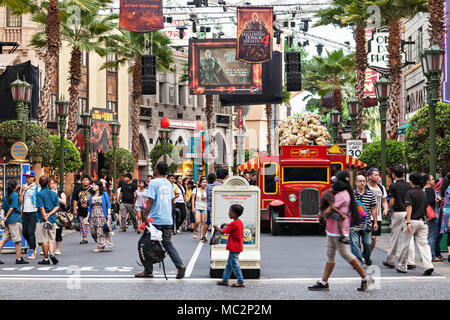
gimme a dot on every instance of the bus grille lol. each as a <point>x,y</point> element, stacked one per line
<point>309,202</point>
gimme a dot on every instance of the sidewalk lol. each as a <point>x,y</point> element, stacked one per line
<point>442,268</point>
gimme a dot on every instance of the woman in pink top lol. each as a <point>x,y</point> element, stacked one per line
<point>344,201</point>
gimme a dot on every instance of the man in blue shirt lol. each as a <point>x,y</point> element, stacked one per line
<point>10,218</point>
<point>160,201</point>
<point>47,205</point>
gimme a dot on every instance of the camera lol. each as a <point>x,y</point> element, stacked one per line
<point>47,226</point>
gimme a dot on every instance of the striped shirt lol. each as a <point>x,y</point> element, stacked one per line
<point>369,201</point>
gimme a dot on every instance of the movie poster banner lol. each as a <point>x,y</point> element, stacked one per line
<point>141,15</point>
<point>254,34</point>
<point>213,69</point>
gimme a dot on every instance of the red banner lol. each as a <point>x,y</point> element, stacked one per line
<point>254,34</point>
<point>141,15</point>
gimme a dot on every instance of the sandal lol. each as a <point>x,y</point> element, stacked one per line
<point>204,240</point>
<point>238,285</point>
<point>346,241</point>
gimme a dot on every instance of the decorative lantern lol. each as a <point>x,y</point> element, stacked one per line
<point>165,123</point>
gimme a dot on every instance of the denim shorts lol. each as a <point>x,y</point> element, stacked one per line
<point>138,208</point>
<point>200,211</point>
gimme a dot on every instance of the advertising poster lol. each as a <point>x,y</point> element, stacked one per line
<point>141,15</point>
<point>254,34</point>
<point>213,69</point>
<point>249,200</point>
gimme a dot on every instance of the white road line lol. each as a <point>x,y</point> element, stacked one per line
<point>128,278</point>
<point>193,260</point>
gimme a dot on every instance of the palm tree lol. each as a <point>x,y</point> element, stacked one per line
<point>342,14</point>
<point>392,14</point>
<point>333,73</point>
<point>47,14</point>
<point>130,46</point>
<point>436,30</point>
<point>269,128</point>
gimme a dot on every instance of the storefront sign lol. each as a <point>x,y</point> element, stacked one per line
<point>19,151</point>
<point>177,124</point>
<point>377,57</point>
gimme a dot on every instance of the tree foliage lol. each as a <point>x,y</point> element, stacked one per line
<point>37,139</point>
<point>72,157</point>
<point>395,154</point>
<point>158,151</point>
<point>417,139</point>
<point>125,161</point>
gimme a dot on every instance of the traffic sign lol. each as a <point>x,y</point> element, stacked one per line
<point>354,148</point>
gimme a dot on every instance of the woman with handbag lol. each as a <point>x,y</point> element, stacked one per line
<point>62,208</point>
<point>99,215</point>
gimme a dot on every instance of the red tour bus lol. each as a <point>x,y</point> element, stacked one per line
<point>291,183</point>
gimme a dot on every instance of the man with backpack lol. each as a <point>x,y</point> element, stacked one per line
<point>380,193</point>
<point>357,232</point>
<point>397,192</point>
<point>160,201</point>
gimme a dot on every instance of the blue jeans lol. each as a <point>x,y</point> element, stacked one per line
<point>433,232</point>
<point>355,238</point>
<point>167,244</point>
<point>233,266</point>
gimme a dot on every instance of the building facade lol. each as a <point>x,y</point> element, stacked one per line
<point>414,93</point>
<point>172,100</point>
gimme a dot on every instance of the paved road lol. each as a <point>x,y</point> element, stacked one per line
<point>289,264</point>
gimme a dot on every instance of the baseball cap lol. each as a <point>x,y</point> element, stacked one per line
<point>30,173</point>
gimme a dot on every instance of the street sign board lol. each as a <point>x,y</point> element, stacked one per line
<point>354,148</point>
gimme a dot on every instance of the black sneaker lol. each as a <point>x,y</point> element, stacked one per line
<point>411,266</point>
<point>319,287</point>
<point>53,258</point>
<point>83,242</point>
<point>365,284</point>
<point>369,262</point>
<point>44,262</point>
<point>428,272</point>
<point>181,272</point>
<point>21,261</point>
<point>1,262</point>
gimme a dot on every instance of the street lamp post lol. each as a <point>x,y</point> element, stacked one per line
<point>335,119</point>
<point>21,92</point>
<point>62,107</point>
<point>87,123</point>
<point>115,129</point>
<point>382,90</point>
<point>432,62</point>
<point>164,135</point>
<point>353,109</point>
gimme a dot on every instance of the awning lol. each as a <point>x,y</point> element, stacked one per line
<point>354,162</point>
<point>402,129</point>
<point>250,165</point>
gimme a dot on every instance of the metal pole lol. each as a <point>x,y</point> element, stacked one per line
<point>354,137</point>
<point>335,132</point>
<point>62,129</point>
<point>114,141</point>
<point>24,116</point>
<point>87,134</point>
<point>383,109</point>
<point>434,86</point>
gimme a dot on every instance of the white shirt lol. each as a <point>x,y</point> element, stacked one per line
<point>199,203</point>
<point>180,198</point>
<point>28,206</point>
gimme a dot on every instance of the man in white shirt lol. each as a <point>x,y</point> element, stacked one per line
<point>28,201</point>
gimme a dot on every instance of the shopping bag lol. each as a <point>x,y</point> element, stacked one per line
<point>155,234</point>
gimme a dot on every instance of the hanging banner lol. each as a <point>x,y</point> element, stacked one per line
<point>213,69</point>
<point>141,15</point>
<point>254,34</point>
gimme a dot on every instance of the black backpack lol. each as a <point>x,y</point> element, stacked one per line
<point>151,251</point>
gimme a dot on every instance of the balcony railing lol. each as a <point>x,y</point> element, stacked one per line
<point>12,35</point>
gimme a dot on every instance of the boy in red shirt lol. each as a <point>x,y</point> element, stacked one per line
<point>235,245</point>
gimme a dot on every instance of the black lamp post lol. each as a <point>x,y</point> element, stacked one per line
<point>432,62</point>
<point>62,107</point>
<point>335,119</point>
<point>383,90</point>
<point>164,136</point>
<point>87,123</point>
<point>115,129</point>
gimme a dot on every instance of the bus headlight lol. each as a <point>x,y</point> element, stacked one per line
<point>292,197</point>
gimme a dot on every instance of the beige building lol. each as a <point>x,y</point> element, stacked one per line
<point>107,90</point>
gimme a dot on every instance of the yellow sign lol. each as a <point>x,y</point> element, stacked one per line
<point>19,152</point>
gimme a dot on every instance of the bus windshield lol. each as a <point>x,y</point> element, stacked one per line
<point>305,174</point>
